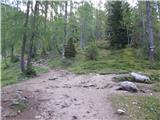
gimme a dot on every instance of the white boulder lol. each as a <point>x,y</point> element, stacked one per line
<point>139,77</point>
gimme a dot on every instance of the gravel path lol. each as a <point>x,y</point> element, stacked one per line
<point>61,95</point>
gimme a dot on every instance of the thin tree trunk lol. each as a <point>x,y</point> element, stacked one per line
<point>159,38</point>
<point>12,53</point>
<point>65,29</point>
<point>81,34</point>
<point>143,27</point>
<point>33,35</point>
<point>71,7</point>
<point>150,30</point>
<point>22,63</point>
<point>4,49</point>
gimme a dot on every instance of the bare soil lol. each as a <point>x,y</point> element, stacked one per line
<point>61,95</point>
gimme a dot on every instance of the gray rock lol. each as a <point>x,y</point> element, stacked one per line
<point>140,78</point>
<point>128,86</point>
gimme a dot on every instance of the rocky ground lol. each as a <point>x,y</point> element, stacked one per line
<point>61,95</point>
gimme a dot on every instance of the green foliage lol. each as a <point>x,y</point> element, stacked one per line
<point>91,52</point>
<point>70,51</point>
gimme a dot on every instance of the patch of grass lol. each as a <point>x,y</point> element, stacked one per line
<point>55,63</point>
<point>40,70</point>
<point>12,74</point>
<point>156,87</point>
<point>138,107</point>
<point>20,106</point>
<point>123,78</point>
<point>110,61</point>
<point>154,75</point>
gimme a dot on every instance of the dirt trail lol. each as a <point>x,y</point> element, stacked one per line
<point>61,95</point>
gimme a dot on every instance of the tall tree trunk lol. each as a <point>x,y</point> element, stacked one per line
<point>159,38</point>
<point>65,29</point>
<point>150,31</point>
<point>22,63</point>
<point>143,26</point>
<point>33,35</point>
<point>45,28</point>
<point>71,7</point>
<point>158,5</point>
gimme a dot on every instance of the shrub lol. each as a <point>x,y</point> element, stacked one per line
<point>30,71</point>
<point>14,59</point>
<point>91,52</point>
<point>70,50</point>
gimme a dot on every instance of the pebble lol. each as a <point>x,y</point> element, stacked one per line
<point>74,117</point>
<point>38,117</point>
<point>120,112</point>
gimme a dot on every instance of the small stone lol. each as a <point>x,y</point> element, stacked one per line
<point>120,112</point>
<point>38,117</point>
<point>37,90</point>
<point>88,112</point>
<point>53,78</point>
<point>134,103</point>
<point>14,102</point>
<point>74,117</point>
<point>64,105</point>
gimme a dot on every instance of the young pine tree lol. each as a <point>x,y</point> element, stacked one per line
<point>118,32</point>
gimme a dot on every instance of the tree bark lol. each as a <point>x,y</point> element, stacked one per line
<point>33,35</point>
<point>22,62</point>
<point>150,31</point>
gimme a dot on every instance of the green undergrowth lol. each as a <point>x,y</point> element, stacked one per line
<point>12,73</point>
<point>109,61</point>
<point>138,107</point>
<point>114,61</point>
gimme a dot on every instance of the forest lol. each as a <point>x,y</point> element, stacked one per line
<point>80,60</point>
